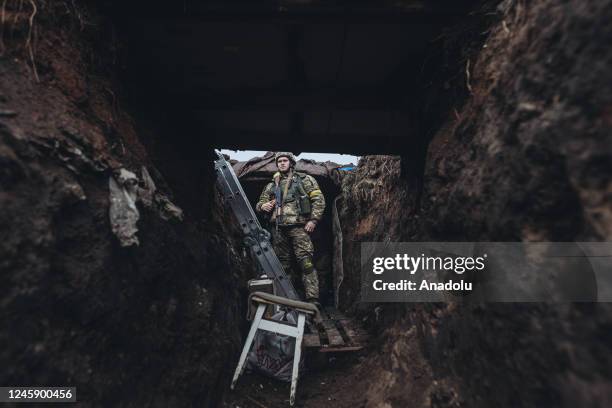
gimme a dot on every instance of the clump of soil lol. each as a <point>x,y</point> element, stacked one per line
<point>153,324</point>
<point>525,157</point>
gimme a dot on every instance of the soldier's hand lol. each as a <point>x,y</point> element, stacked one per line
<point>267,207</point>
<point>310,226</point>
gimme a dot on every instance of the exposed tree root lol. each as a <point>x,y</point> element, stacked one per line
<point>29,40</point>
<point>2,17</point>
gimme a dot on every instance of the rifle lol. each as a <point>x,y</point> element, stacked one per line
<point>278,204</point>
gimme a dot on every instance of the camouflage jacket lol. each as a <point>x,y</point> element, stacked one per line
<point>291,204</point>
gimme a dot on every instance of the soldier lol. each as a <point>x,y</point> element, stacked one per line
<point>300,209</point>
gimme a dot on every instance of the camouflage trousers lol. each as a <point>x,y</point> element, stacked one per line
<point>295,240</point>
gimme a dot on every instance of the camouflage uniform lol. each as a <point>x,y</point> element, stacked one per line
<point>291,236</point>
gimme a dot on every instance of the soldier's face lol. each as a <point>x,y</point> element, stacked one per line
<point>283,164</point>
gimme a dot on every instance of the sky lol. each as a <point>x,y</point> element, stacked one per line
<point>243,155</point>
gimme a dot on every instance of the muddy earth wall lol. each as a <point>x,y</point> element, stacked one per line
<point>152,324</point>
<point>526,155</point>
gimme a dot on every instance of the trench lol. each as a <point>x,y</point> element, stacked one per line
<point>479,121</point>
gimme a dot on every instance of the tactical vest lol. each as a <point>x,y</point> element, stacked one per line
<point>297,193</point>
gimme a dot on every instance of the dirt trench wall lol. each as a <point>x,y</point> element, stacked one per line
<point>148,325</point>
<point>527,156</point>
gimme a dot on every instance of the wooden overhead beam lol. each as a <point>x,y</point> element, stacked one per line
<point>413,12</point>
<point>289,99</point>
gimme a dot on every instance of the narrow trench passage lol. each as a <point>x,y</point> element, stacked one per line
<point>337,350</point>
<point>124,271</point>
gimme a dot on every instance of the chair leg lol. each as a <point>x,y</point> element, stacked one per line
<point>247,344</point>
<point>296,356</point>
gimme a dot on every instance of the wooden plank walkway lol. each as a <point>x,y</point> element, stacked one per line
<point>336,333</point>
